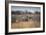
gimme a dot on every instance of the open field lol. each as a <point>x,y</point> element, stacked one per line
<point>25,24</point>
<point>25,17</point>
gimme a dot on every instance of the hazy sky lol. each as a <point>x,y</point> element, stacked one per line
<point>21,8</point>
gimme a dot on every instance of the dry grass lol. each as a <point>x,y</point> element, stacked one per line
<point>25,24</point>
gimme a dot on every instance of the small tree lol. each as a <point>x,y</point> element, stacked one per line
<point>37,12</point>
